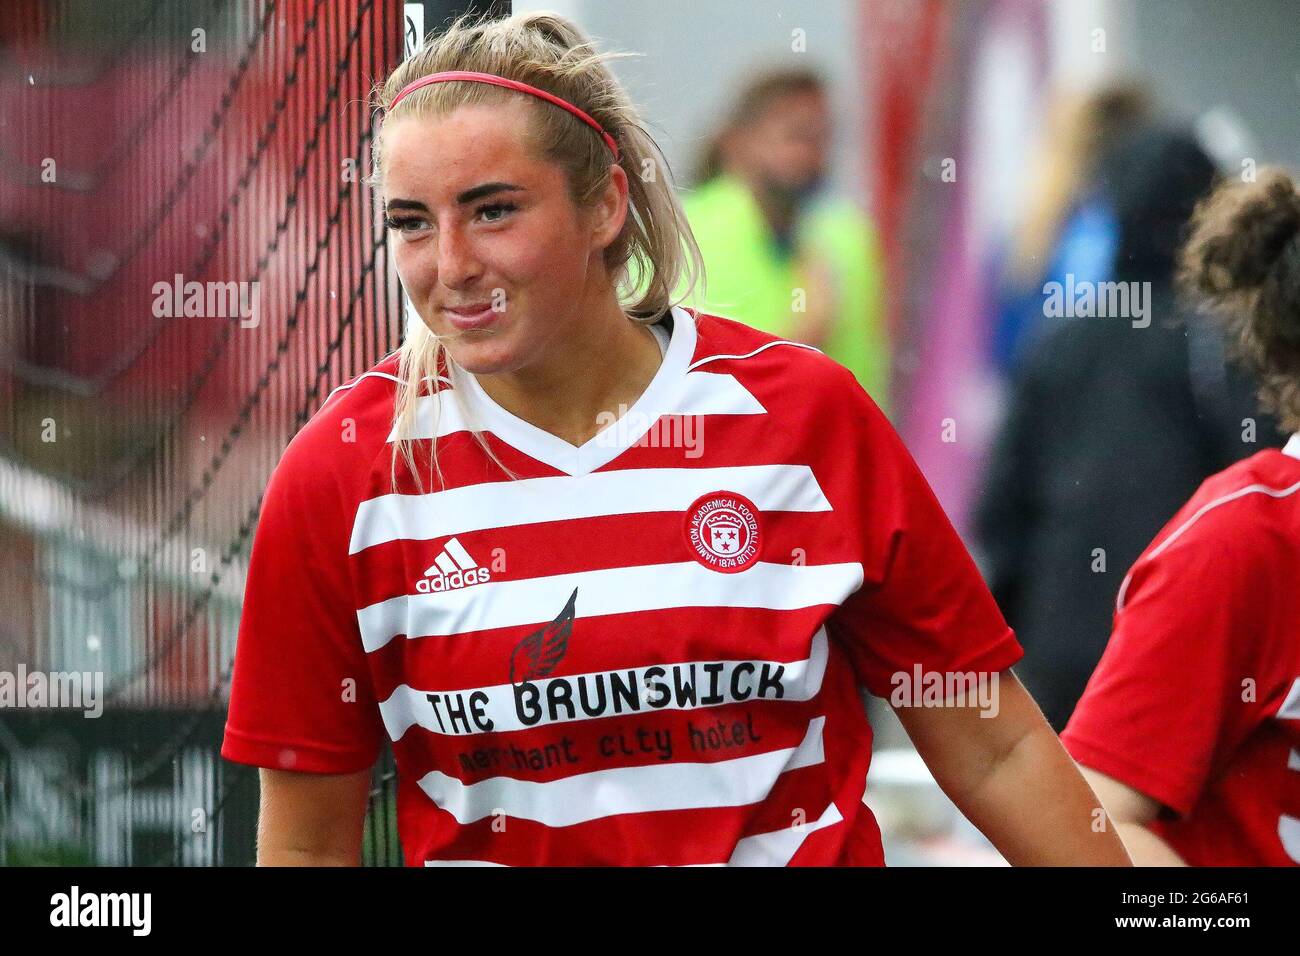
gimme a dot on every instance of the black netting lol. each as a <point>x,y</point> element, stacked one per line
<point>145,145</point>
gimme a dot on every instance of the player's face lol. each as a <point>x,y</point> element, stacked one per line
<point>490,247</point>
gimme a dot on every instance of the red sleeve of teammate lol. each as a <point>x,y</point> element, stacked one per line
<point>1166,701</point>
<point>923,600</point>
<point>301,697</point>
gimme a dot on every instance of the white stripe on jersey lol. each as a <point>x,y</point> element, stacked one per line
<point>647,587</point>
<point>762,348</point>
<point>446,408</point>
<point>800,680</point>
<point>776,848</point>
<point>715,393</point>
<point>779,847</point>
<point>1290,709</point>
<point>579,798</point>
<point>461,863</point>
<point>1288,831</point>
<point>504,504</point>
<point>702,393</point>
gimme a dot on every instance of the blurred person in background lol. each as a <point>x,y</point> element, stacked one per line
<point>1113,421</point>
<point>1067,228</point>
<point>1189,731</point>
<point>766,229</point>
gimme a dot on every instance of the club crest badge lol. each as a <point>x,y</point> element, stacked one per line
<point>723,531</point>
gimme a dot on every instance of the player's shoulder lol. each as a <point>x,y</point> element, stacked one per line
<point>367,392</point>
<point>1237,532</point>
<point>800,375</point>
<point>351,424</point>
<point>1263,488</point>
<point>1249,513</point>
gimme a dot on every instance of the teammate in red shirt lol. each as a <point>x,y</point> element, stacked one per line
<point>1189,729</point>
<point>608,580</point>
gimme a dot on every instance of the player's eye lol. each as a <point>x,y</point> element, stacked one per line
<point>401,225</point>
<point>502,207</point>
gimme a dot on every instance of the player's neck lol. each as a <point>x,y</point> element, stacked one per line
<point>599,371</point>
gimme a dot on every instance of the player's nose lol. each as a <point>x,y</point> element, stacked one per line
<point>458,266</point>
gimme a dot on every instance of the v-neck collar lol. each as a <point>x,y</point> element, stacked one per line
<point>659,398</point>
<point>1292,447</point>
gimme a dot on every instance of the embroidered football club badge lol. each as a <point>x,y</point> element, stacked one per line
<point>723,531</point>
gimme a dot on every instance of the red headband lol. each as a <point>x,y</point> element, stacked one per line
<point>495,80</point>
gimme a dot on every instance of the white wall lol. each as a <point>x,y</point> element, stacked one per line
<point>1240,57</point>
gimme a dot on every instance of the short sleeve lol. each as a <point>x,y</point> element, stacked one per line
<point>300,696</point>
<point>1168,701</point>
<point>923,601</point>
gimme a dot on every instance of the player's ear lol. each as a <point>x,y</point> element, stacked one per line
<point>610,210</point>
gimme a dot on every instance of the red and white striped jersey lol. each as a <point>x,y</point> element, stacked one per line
<point>645,650</point>
<point>1196,702</point>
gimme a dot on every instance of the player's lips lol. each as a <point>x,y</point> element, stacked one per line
<point>470,316</point>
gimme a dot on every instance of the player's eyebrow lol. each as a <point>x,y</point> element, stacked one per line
<point>487,189</point>
<point>468,196</point>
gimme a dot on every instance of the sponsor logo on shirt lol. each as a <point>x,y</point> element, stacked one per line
<point>723,531</point>
<point>539,697</point>
<point>452,569</point>
<point>538,654</point>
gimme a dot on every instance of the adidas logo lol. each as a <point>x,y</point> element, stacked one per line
<point>452,569</point>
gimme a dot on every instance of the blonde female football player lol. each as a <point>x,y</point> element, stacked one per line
<point>607,574</point>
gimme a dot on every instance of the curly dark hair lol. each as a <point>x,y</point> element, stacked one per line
<point>1242,261</point>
